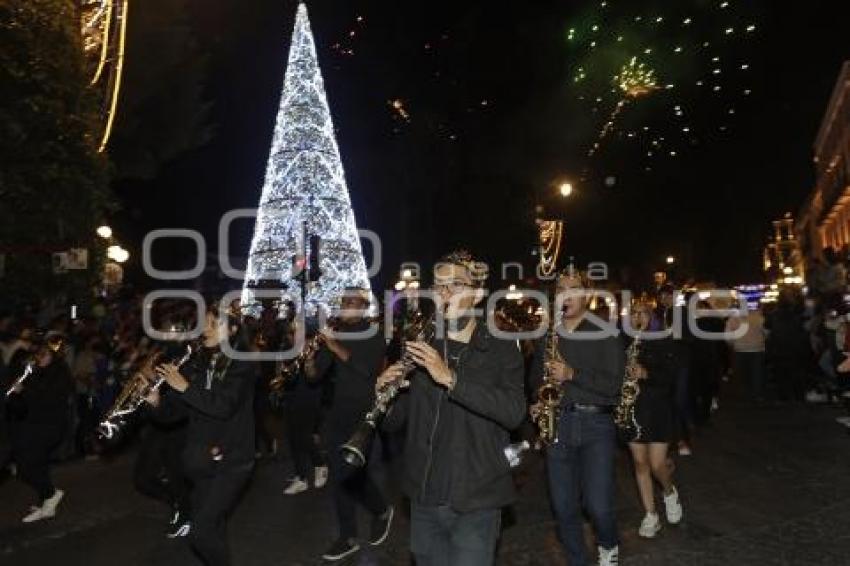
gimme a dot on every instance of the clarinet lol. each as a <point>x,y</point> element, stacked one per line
<point>356,450</point>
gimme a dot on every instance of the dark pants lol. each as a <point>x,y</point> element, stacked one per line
<point>213,498</point>
<point>301,420</point>
<point>788,371</point>
<point>160,457</point>
<point>87,421</point>
<point>440,536</point>
<point>31,451</point>
<point>352,486</point>
<point>706,385</point>
<point>749,369</point>
<point>683,403</point>
<point>581,468</point>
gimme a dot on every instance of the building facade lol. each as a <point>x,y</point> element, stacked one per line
<point>824,220</point>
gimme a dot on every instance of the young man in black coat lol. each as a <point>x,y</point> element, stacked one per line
<point>38,407</point>
<point>465,396</point>
<point>218,400</point>
<point>351,358</point>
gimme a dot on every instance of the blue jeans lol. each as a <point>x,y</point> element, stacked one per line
<point>581,469</point>
<point>440,536</point>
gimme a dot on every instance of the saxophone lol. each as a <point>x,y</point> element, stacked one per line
<point>137,388</point>
<point>624,413</point>
<point>550,394</point>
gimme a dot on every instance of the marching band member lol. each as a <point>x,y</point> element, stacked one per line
<point>654,370</point>
<point>38,407</point>
<point>581,463</point>
<point>463,399</point>
<point>303,408</point>
<point>217,397</point>
<point>352,364</point>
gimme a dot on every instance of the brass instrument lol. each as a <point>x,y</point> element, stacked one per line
<point>54,343</point>
<point>136,390</point>
<point>624,413</point>
<point>288,369</point>
<point>549,394</point>
<point>356,450</point>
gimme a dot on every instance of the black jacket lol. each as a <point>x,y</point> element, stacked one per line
<point>487,401</point>
<point>221,416</point>
<point>658,357</point>
<point>43,401</point>
<point>353,381</point>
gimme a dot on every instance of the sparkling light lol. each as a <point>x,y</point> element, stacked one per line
<point>305,182</point>
<point>635,79</point>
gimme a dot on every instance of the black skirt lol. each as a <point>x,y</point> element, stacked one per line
<point>654,414</point>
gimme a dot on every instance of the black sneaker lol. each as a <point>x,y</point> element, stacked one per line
<point>381,527</point>
<point>340,549</point>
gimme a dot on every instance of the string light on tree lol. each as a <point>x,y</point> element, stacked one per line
<point>305,182</point>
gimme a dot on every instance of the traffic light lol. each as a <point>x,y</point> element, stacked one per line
<point>315,258</point>
<point>299,265</point>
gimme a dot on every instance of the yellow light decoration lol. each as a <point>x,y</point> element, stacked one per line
<point>104,25</point>
<point>550,232</point>
<point>116,88</point>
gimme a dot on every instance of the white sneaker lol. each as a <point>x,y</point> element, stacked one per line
<point>296,486</point>
<point>815,396</point>
<point>609,556</point>
<point>673,507</point>
<point>715,404</point>
<point>52,503</point>
<point>35,514</point>
<point>321,476</point>
<point>650,525</point>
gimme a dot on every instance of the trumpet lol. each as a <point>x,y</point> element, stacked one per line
<point>28,369</point>
<point>356,450</point>
<point>549,394</point>
<point>55,344</point>
<point>135,391</point>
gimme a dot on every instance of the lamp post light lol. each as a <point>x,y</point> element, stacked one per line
<point>104,232</point>
<point>566,189</point>
<point>671,260</point>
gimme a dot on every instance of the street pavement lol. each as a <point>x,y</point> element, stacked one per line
<point>765,486</point>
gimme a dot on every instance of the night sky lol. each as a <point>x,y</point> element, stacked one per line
<point>494,125</point>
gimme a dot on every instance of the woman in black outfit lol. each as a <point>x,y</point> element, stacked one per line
<point>217,395</point>
<point>38,408</point>
<point>653,410</point>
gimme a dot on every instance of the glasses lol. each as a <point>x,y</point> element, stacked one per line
<point>452,287</point>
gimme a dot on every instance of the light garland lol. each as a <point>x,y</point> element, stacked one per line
<point>550,233</point>
<point>99,17</point>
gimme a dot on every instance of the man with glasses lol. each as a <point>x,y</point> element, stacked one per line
<point>581,463</point>
<point>351,357</point>
<point>463,398</point>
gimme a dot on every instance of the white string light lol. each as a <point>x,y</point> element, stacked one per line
<point>305,181</point>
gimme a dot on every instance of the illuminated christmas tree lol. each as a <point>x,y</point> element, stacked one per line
<point>305,182</point>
